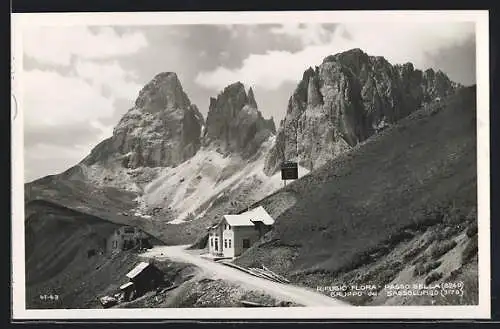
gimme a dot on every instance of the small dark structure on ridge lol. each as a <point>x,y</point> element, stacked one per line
<point>144,277</point>
<point>289,170</point>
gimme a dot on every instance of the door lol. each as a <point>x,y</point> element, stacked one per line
<point>216,241</point>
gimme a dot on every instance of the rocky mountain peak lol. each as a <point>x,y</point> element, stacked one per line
<point>353,59</point>
<point>162,129</point>
<point>234,123</point>
<point>345,100</point>
<point>164,91</point>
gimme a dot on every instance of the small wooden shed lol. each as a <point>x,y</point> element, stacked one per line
<point>144,277</point>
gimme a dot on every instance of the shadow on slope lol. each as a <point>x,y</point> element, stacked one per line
<point>71,190</point>
<point>58,241</point>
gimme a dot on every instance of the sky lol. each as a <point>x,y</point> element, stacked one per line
<point>78,81</point>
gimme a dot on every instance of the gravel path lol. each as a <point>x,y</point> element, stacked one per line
<point>299,295</point>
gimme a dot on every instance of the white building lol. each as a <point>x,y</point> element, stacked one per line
<point>236,233</point>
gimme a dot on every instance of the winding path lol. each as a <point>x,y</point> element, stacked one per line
<point>299,295</point>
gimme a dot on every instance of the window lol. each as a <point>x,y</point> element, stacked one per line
<point>229,227</point>
<point>211,242</point>
<point>229,243</point>
<point>225,243</point>
<point>246,243</point>
<point>115,244</point>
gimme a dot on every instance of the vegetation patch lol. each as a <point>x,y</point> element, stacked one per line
<point>414,252</point>
<point>424,268</point>
<point>442,248</point>
<point>385,273</point>
<point>472,230</point>
<point>470,250</point>
<point>434,276</point>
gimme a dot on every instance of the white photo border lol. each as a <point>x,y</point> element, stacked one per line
<point>480,311</point>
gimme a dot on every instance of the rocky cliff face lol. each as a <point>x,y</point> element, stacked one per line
<point>345,100</point>
<point>162,129</point>
<point>234,123</point>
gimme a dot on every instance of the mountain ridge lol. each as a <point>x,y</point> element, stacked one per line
<point>347,98</point>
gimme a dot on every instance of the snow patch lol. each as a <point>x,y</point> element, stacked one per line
<point>195,182</point>
<point>186,187</point>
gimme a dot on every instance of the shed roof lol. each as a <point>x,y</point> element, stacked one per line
<point>137,270</point>
<point>126,285</point>
<point>248,218</point>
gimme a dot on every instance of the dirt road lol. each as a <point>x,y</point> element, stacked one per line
<point>300,295</point>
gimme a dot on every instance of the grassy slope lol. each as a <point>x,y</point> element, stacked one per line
<point>363,199</point>
<point>70,190</point>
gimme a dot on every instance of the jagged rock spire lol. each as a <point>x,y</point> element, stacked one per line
<point>251,99</point>
<point>234,124</point>
<point>163,91</point>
